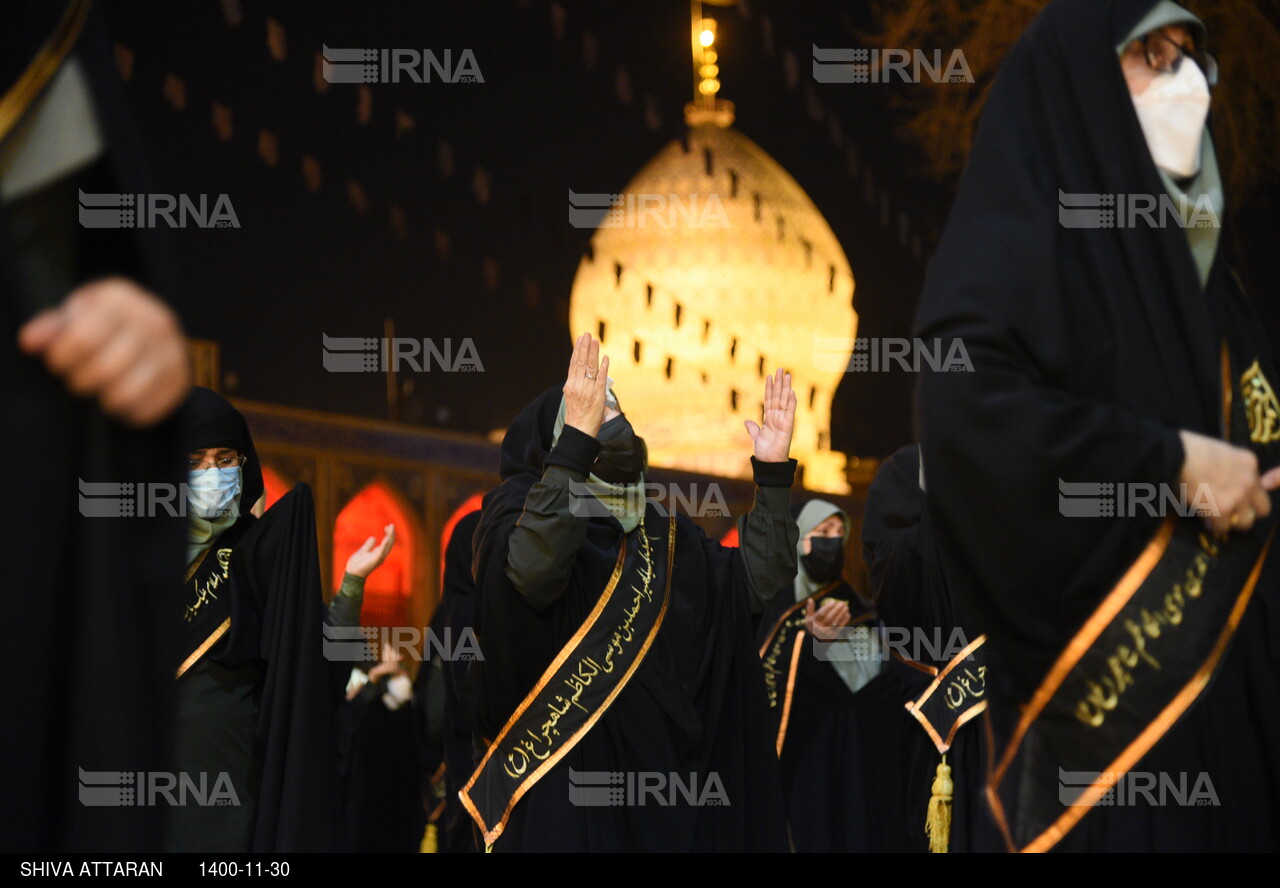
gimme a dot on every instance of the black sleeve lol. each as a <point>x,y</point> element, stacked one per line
<point>767,535</point>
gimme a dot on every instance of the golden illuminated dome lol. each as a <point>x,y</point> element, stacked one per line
<point>713,268</point>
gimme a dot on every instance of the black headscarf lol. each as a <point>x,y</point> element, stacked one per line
<point>522,460</point>
<point>209,420</point>
<point>906,584</point>
<point>524,450</point>
<point>1090,347</point>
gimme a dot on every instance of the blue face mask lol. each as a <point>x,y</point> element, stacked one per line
<point>212,492</point>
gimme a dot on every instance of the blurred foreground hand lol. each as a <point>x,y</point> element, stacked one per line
<point>113,341</point>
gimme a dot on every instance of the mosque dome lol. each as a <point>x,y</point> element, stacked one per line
<point>710,270</point>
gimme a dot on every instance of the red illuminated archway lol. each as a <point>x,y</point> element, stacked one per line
<point>469,505</point>
<point>388,589</point>
<point>274,485</point>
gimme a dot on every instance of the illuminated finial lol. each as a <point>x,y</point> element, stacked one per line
<point>706,106</point>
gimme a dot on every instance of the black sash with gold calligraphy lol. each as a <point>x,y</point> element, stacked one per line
<point>1138,663</point>
<point>581,683</point>
<point>956,696</point>
<point>206,598</point>
<point>780,656</point>
<point>1140,660</point>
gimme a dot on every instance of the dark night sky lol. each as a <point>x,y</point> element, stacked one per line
<point>549,117</point>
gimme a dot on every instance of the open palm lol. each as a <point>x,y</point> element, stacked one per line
<point>772,440</point>
<point>364,560</point>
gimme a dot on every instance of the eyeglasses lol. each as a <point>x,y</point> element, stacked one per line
<point>1165,56</point>
<point>222,462</point>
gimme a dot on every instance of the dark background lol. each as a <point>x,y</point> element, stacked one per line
<point>551,115</point>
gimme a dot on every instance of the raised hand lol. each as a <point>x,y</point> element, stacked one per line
<point>364,560</point>
<point>772,440</point>
<point>585,386</point>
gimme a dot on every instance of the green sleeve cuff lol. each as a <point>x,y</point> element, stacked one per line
<point>352,586</point>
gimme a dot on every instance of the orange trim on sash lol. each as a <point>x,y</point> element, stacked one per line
<point>914,706</point>
<point>796,650</point>
<point>195,565</point>
<point>204,647</point>
<point>914,664</point>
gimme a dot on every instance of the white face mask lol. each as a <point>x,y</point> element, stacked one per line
<point>212,491</point>
<point>1172,112</point>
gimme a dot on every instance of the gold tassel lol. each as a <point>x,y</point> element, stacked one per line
<point>430,841</point>
<point>937,824</point>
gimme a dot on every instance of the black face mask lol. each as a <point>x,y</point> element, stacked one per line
<point>623,454</point>
<point>825,559</point>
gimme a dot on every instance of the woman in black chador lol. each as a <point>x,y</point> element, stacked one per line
<point>620,704</point>
<point>257,686</point>
<point>818,651</point>
<point>900,757</point>
<point>444,734</point>
<point>1099,486</point>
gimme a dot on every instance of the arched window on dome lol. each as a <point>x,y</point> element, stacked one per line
<point>388,589</point>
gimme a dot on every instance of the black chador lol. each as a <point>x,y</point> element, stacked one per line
<point>1126,640</point>
<point>443,729</point>
<point>910,755</point>
<point>257,697</point>
<point>90,658</point>
<point>811,684</point>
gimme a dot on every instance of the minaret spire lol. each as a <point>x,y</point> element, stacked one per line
<point>707,107</point>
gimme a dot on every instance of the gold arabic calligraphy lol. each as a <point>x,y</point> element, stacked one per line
<point>1104,693</point>
<point>539,744</point>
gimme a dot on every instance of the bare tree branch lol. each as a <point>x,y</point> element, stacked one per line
<point>941,119</point>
